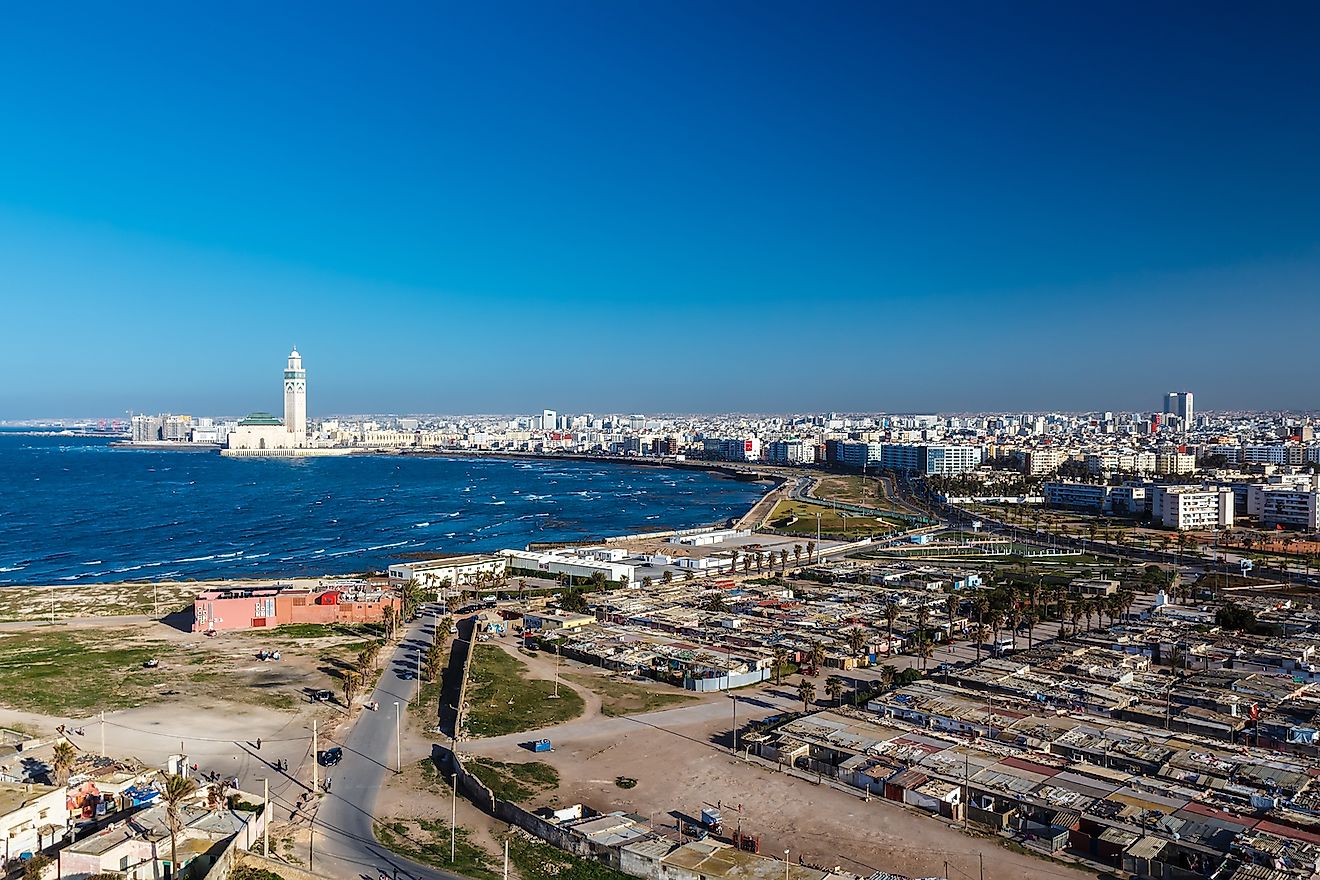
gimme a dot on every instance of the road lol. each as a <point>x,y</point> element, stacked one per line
<point>345,842</point>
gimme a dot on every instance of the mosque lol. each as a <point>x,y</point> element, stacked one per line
<point>263,434</point>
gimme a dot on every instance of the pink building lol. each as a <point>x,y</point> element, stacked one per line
<point>257,607</point>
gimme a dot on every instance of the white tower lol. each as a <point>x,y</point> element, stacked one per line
<point>295,399</point>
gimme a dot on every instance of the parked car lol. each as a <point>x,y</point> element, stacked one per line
<point>322,696</point>
<point>331,757</point>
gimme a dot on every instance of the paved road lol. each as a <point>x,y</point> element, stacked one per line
<point>345,842</point>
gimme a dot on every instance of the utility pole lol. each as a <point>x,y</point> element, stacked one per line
<point>311,841</point>
<point>506,858</point>
<point>398,742</point>
<point>265,815</point>
<point>316,759</point>
<point>417,698</point>
<point>453,813</point>
<point>735,724</point>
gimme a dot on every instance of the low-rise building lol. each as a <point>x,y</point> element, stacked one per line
<point>32,817</point>
<point>262,607</point>
<point>449,571</point>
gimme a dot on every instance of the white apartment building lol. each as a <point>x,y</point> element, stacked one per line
<point>456,571</point>
<point>574,564</point>
<point>790,452</point>
<point>1174,463</point>
<point>32,817</point>
<point>1038,462</point>
<point>1290,507</point>
<point>1192,507</point>
<point>1079,495</point>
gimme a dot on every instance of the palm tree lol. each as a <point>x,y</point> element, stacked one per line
<point>887,675</point>
<point>857,640</point>
<point>780,658</point>
<point>891,614</point>
<point>981,604</point>
<point>63,759</point>
<point>834,689</point>
<point>951,603</point>
<point>350,683</point>
<point>176,791</point>
<point>1029,618</point>
<point>811,548</point>
<point>817,655</point>
<point>797,554</point>
<point>925,648</point>
<point>806,693</point>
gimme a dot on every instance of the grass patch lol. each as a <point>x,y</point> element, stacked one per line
<point>427,841</point>
<point>66,673</point>
<point>799,518</point>
<point>503,700</point>
<point>319,631</point>
<point>851,489</point>
<point>514,782</point>
<point>628,698</point>
<point>536,860</point>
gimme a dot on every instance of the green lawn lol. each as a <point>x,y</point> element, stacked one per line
<point>628,697</point>
<point>317,631</point>
<point>427,841</point>
<point>503,700</point>
<point>513,781</point>
<point>57,672</point>
<point>833,523</point>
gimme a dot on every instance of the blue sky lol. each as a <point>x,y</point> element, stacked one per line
<point>667,206</point>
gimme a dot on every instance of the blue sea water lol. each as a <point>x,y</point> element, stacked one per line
<point>75,510</point>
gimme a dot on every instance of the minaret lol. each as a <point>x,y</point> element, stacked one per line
<point>295,399</point>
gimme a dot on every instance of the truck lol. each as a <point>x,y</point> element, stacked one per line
<point>541,745</point>
<point>711,819</point>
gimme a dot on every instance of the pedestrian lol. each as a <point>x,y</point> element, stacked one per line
<point>258,743</point>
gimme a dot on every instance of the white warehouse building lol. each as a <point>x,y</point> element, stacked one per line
<point>576,565</point>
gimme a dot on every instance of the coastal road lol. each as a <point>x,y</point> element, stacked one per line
<point>345,840</point>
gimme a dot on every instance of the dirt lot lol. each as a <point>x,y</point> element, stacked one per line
<point>102,600</point>
<point>681,760</point>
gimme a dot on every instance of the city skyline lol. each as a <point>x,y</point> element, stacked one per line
<point>766,209</point>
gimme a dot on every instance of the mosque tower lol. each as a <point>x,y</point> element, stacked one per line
<point>295,399</point>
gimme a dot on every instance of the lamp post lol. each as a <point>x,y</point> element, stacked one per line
<point>453,813</point>
<point>785,864</point>
<point>398,741</point>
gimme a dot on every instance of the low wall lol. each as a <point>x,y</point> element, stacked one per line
<point>460,707</point>
<point>707,685</point>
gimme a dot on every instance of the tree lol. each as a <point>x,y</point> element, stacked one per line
<point>35,867</point>
<point>431,662</point>
<point>811,549</point>
<point>177,791</point>
<point>715,603</point>
<point>834,689</point>
<point>350,684</point>
<point>806,693</point>
<point>817,655</point>
<point>597,580</point>
<point>573,601</point>
<point>797,554</point>
<point>63,759</point>
<point>390,620</point>
<point>925,648</point>
<point>857,641</point>
<point>667,578</point>
<point>1234,617</point>
<point>891,615</point>
<point>647,583</point>
<point>780,657</point>
<point>887,675</point>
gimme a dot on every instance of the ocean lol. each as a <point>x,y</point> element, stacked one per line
<point>75,510</point>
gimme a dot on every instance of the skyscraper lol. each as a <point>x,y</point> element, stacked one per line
<point>1179,403</point>
<point>295,399</point>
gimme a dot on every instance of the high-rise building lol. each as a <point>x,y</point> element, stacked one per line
<point>1179,403</point>
<point>295,399</point>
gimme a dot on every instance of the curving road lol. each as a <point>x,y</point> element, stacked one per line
<point>345,841</point>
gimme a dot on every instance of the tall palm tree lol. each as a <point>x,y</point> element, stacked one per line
<point>63,759</point>
<point>925,648</point>
<point>951,603</point>
<point>797,554</point>
<point>834,689</point>
<point>857,641</point>
<point>1029,618</point>
<point>780,658</point>
<point>806,693</point>
<point>891,615</point>
<point>177,791</point>
<point>350,683</point>
<point>817,655</point>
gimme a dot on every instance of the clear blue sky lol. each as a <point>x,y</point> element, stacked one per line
<point>687,206</point>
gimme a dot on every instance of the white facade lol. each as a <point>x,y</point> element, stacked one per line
<point>37,816</point>
<point>1192,507</point>
<point>458,571</point>
<point>569,563</point>
<point>1284,506</point>
<point>295,399</point>
<point>1179,403</point>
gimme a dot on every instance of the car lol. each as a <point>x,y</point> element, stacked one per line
<point>330,757</point>
<point>406,676</point>
<point>453,630</point>
<point>322,696</point>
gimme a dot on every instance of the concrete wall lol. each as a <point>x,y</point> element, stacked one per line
<point>706,685</point>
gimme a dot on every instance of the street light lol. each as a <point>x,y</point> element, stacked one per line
<point>785,864</point>
<point>398,742</point>
<point>453,812</point>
